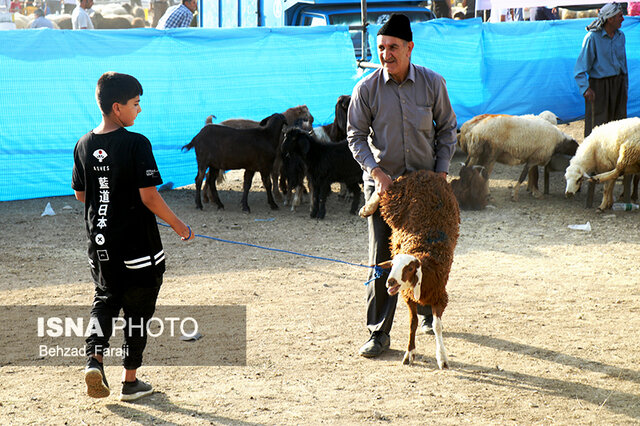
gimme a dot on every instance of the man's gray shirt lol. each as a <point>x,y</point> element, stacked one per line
<point>412,125</point>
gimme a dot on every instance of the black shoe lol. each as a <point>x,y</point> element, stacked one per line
<point>97,386</point>
<point>426,325</point>
<point>377,343</point>
<point>134,390</point>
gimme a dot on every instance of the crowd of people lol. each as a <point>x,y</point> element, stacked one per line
<point>161,14</point>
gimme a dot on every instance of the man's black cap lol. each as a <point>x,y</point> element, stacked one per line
<point>399,26</point>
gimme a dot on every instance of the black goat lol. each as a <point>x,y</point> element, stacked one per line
<point>326,163</point>
<point>221,148</point>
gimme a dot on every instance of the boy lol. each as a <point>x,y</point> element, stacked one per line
<point>115,176</point>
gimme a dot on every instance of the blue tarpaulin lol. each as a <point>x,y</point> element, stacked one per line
<point>514,67</point>
<point>48,82</point>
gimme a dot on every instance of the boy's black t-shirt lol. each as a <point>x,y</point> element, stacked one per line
<point>124,242</point>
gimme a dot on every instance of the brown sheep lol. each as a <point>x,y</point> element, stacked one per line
<point>472,188</point>
<point>423,214</point>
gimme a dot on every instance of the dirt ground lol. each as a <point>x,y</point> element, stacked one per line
<point>542,325</point>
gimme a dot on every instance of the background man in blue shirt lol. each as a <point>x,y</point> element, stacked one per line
<point>604,60</point>
<point>178,16</point>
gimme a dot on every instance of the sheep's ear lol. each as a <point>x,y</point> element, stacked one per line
<point>417,290</point>
<point>386,264</point>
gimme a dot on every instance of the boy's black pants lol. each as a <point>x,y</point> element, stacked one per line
<point>138,305</point>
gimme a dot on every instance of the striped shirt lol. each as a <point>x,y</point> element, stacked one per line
<point>175,17</point>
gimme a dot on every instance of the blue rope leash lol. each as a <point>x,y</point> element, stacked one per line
<point>377,271</point>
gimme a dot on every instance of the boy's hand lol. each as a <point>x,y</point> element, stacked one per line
<point>185,232</point>
<point>190,236</point>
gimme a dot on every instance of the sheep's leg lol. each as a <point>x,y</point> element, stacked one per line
<point>297,198</point>
<point>199,179</point>
<point>516,187</point>
<point>213,187</point>
<point>532,179</point>
<point>441,351</point>
<point>322,205</point>
<point>266,181</point>
<point>205,189</point>
<point>248,178</point>
<point>371,206</point>
<point>607,196</point>
<point>410,354</point>
<point>606,176</point>
<point>275,176</point>
<point>315,199</point>
<point>634,194</point>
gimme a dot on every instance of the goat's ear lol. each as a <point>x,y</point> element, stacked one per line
<point>386,264</point>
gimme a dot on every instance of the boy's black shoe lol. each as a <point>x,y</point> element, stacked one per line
<point>97,386</point>
<point>134,390</point>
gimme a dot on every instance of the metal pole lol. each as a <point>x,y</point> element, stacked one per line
<point>363,14</point>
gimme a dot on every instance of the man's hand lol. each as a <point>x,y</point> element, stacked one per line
<point>383,181</point>
<point>589,95</point>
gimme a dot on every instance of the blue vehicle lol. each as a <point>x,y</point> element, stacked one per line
<point>277,13</point>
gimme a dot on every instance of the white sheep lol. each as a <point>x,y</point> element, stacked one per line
<point>514,140</point>
<point>611,150</point>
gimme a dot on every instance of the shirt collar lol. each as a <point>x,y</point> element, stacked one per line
<point>411,76</point>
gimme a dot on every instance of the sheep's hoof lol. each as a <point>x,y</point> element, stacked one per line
<point>444,366</point>
<point>273,206</point>
<point>409,357</point>
<point>537,194</point>
<point>199,206</point>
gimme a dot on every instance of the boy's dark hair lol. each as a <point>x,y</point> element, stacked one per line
<point>116,87</point>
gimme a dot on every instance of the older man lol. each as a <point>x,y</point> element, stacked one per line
<point>405,111</point>
<point>178,16</point>
<point>604,60</point>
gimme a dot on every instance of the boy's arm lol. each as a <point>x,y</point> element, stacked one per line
<point>80,196</point>
<point>154,202</point>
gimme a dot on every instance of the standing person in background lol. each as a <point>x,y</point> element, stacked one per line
<point>604,60</point>
<point>80,19</point>
<point>543,14</point>
<point>157,9</point>
<point>405,109</point>
<point>68,5</point>
<point>471,8</point>
<point>441,8</point>
<point>178,16</point>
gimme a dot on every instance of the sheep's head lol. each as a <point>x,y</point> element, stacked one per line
<point>406,273</point>
<point>574,176</point>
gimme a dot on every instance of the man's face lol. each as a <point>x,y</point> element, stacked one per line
<point>615,22</point>
<point>192,5</point>
<point>86,4</point>
<point>395,55</point>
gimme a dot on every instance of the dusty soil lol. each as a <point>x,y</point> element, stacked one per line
<point>542,325</point>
